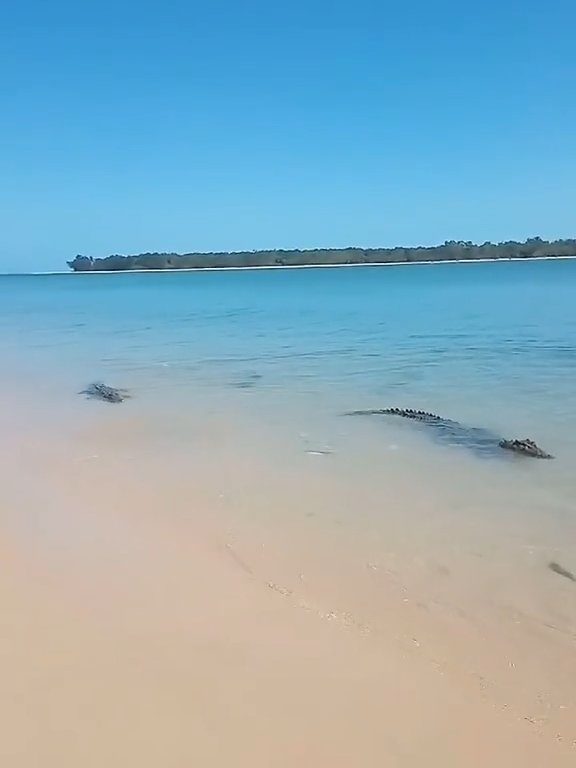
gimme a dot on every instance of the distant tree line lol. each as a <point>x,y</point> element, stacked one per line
<point>451,250</point>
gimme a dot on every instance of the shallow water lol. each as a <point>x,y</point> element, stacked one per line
<point>412,329</point>
<point>492,345</point>
<point>240,383</point>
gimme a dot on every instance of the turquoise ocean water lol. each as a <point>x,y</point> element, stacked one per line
<point>491,345</point>
<point>488,344</point>
<point>491,342</point>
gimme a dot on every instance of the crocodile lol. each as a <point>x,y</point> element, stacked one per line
<point>481,441</point>
<point>101,391</point>
<point>525,447</point>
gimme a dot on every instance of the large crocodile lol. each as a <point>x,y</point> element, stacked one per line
<point>481,441</point>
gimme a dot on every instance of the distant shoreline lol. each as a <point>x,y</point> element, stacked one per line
<point>449,251</point>
<point>176,270</point>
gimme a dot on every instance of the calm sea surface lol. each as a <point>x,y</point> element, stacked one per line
<point>495,342</point>
<point>491,345</point>
<point>240,382</point>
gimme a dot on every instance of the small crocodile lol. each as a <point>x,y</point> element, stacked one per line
<point>103,392</point>
<point>481,441</point>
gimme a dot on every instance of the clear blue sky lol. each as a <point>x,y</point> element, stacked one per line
<point>176,126</point>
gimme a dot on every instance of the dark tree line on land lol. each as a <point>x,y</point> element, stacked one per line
<point>451,250</point>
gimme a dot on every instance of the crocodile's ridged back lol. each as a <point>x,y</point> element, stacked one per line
<point>406,413</point>
<point>481,441</point>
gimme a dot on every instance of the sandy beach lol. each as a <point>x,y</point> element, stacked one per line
<point>196,611</point>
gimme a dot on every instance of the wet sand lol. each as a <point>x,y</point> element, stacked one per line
<point>242,603</point>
